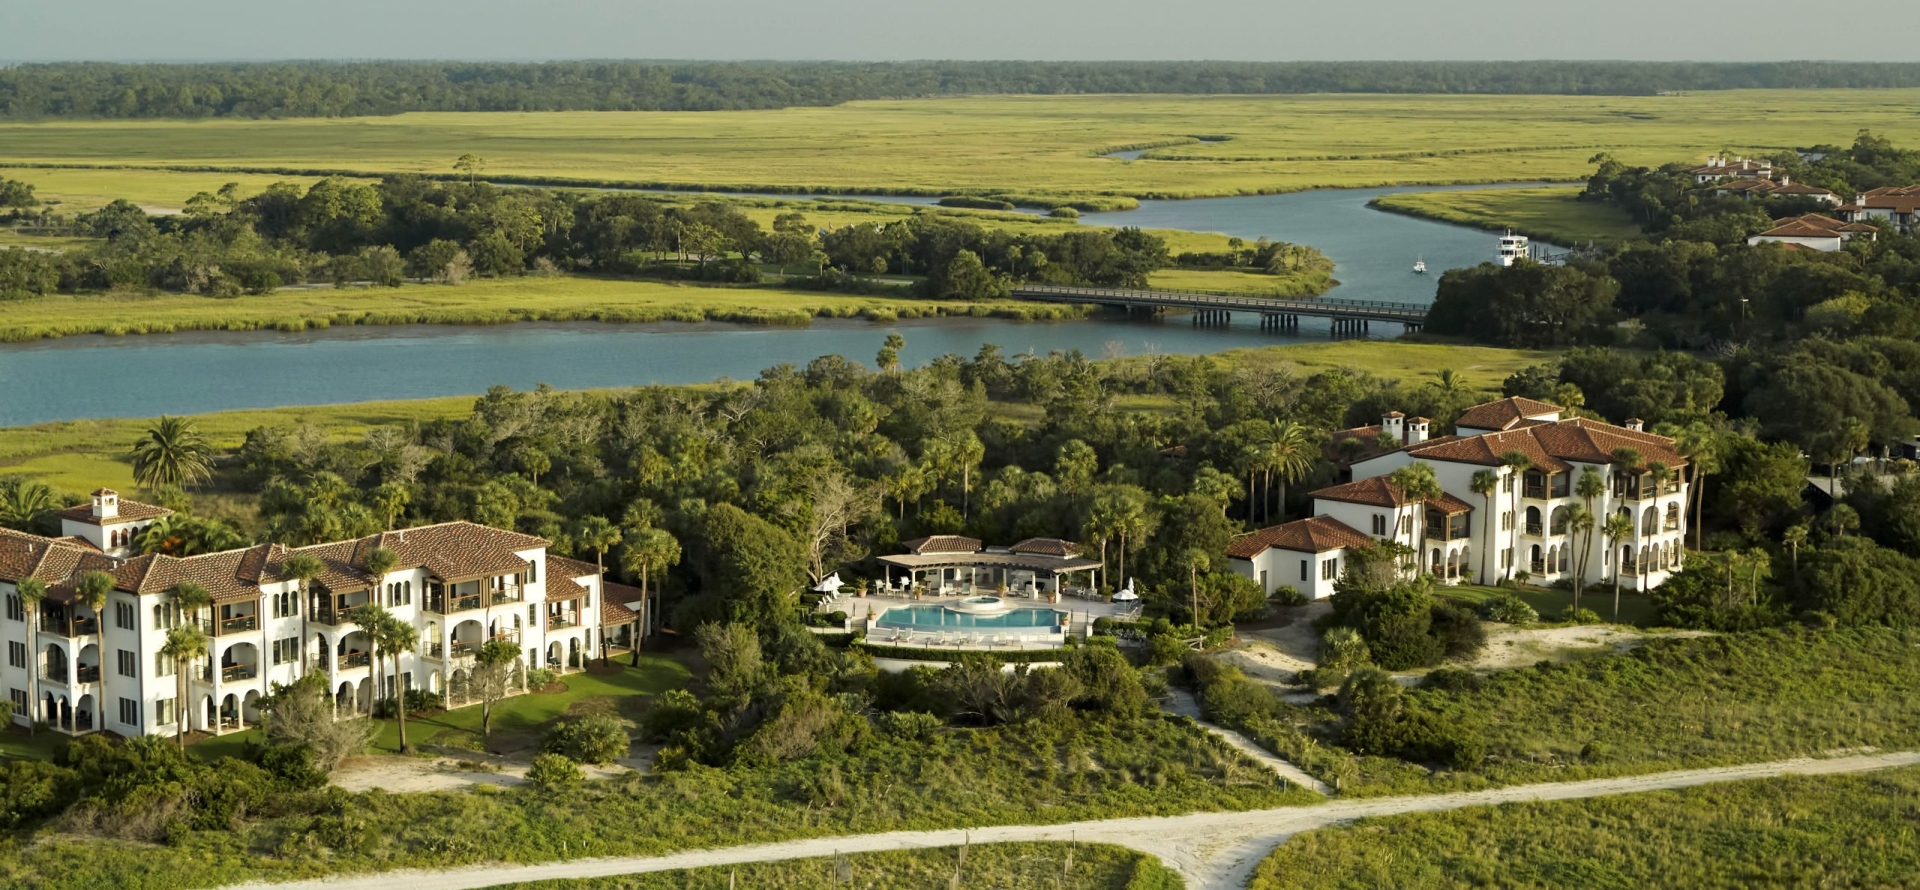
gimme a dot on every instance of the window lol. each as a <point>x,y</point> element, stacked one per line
<point>165,616</point>
<point>16,654</point>
<point>163,713</point>
<point>399,593</point>
<point>123,616</point>
<point>1506,483</point>
<point>533,573</point>
<point>1506,520</point>
<point>129,712</point>
<point>286,650</point>
<point>1380,525</point>
<point>1263,580</point>
<point>129,664</point>
<point>286,604</point>
<point>1406,524</point>
<point>19,697</point>
<point>533,615</point>
<point>1330,569</point>
<point>16,611</point>
<point>1506,559</point>
<point>1560,484</point>
<point>162,665</point>
<point>1303,570</point>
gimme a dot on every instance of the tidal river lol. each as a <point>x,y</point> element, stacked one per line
<point>141,376</point>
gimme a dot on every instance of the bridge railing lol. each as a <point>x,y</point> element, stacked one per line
<point>1214,298</point>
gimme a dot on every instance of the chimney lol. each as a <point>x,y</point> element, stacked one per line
<point>1634,423</point>
<point>106,504</point>
<point>1394,424</point>
<point>1417,430</point>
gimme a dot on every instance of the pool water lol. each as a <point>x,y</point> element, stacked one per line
<point>933,616</point>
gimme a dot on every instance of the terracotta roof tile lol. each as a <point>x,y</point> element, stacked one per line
<point>1046,547</point>
<point>613,606</point>
<point>942,544</point>
<point>570,568</point>
<point>1374,491</point>
<point>130,511</point>
<point>1504,414</point>
<point>1318,534</point>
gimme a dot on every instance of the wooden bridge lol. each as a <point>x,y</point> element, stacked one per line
<point>1276,313</point>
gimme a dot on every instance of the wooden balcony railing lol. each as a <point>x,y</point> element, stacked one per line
<point>77,627</point>
<point>239,624</point>
<point>356,660</point>
<point>230,673</point>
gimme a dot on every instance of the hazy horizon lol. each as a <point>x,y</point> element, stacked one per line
<point>998,30</point>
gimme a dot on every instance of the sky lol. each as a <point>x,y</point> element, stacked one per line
<point>1254,30</point>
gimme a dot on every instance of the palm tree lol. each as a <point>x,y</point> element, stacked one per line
<point>647,549</point>
<point>1700,445</point>
<point>398,637</point>
<point>597,534</point>
<point>1132,521</point>
<point>1580,522</point>
<point>1417,483</point>
<point>93,591</point>
<point>189,598</point>
<point>172,454</point>
<point>1102,525</point>
<point>1290,456</point>
<point>1793,537</point>
<point>32,591</point>
<point>302,568</point>
<point>1618,527</point>
<point>370,619</point>
<point>1484,484</point>
<point>22,502</point>
<point>1842,517</point>
<point>1195,559</point>
<point>1591,486</point>
<point>1517,464</point>
<point>390,499</point>
<point>185,645</point>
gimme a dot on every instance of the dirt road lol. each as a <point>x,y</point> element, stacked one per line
<point>1213,851</point>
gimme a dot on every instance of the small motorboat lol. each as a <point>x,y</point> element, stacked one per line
<point>1420,266</point>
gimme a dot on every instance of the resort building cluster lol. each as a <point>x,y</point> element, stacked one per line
<point>458,584</point>
<point>1472,533</point>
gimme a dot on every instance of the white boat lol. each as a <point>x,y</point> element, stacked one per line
<point>1420,266</point>
<point>1513,248</point>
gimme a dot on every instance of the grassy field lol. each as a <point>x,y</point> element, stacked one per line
<point>77,456</point>
<point>1635,608</point>
<point>1549,214</point>
<point>1029,144</point>
<point>1826,831</point>
<point>1034,866</point>
<point>487,301</point>
<point>79,190</point>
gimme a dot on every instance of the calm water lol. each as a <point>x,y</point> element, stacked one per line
<point>80,377</point>
<point>935,617</point>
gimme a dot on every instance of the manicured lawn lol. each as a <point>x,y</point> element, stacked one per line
<point>1549,214</point>
<point>523,715</point>
<point>1635,608</point>
<point>15,744</point>
<point>1030,144</point>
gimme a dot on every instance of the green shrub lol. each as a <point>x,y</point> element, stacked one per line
<point>1064,213</point>
<point>1508,608</point>
<point>596,738</point>
<point>554,771</point>
<point>1571,615</point>
<point>540,678</point>
<point>1290,597</point>
<point>1458,630</point>
<point>910,724</point>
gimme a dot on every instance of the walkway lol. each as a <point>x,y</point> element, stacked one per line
<point>1213,851</point>
<point>1180,701</point>
<point>1276,313</point>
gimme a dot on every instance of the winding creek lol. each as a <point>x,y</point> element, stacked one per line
<point>140,376</point>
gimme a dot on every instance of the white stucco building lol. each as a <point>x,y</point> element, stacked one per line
<point>458,583</point>
<point>1522,527</point>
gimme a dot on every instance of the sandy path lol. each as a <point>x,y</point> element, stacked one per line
<point>1180,701</point>
<point>1213,851</point>
<point>395,774</point>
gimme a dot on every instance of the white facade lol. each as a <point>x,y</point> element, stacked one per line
<point>458,584</point>
<point>1313,574</point>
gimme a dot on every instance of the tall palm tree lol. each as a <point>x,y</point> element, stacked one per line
<point>1591,486</point>
<point>1581,522</point>
<point>1132,522</point>
<point>32,591</point>
<point>1793,537</point>
<point>93,590</point>
<point>371,619</point>
<point>597,534</point>
<point>398,637</point>
<point>647,549</point>
<point>1700,445</point>
<point>1484,484</point>
<point>1291,455</point>
<point>185,645</point>
<point>1517,464</point>
<point>1102,525</point>
<point>1417,483</point>
<point>1619,527</point>
<point>172,454</point>
<point>302,568</point>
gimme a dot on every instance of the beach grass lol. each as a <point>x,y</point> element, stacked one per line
<point>1038,146</point>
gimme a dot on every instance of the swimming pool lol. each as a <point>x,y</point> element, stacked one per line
<point>935,616</point>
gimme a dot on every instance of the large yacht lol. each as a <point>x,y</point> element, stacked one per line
<point>1513,248</point>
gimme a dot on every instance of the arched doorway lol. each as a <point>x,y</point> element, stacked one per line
<point>250,707</point>
<point>553,654</point>
<point>343,697</point>
<point>84,715</point>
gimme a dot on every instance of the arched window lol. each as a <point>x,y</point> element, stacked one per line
<point>1533,561</point>
<point>1673,515</point>
<point>1566,557</point>
<point>1438,567</point>
<point>1626,558</point>
<point>1553,559</point>
<point>1533,520</point>
<point>1650,521</point>
<point>1559,526</point>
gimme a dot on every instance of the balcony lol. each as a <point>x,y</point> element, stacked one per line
<point>558,622</point>
<point>1535,529</point>
<point>465,648</point>
<point>238,624</point>
<point>1537,492</point>
<point>1539,567</point>
<point>355,660</point>
<point>60,625</point>
<point>233,673</point>
<point>432,650</point>
<point>87,673</point>
<point>336,616</point>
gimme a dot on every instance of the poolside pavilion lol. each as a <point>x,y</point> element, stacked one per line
<point>953,565</point>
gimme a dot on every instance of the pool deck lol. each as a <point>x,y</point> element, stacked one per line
<point>1081,613</point>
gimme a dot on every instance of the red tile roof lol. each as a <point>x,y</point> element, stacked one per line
<point>130,511</point>
<point>1374,492</point>
<point>1318,534</point>
<point>1046,547</point>
<point>942,544</point>
<point>1552,445</point>
<point>1504,414</point>
<point>1813,225</point>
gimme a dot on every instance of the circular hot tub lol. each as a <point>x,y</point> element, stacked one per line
<point>980,605</point>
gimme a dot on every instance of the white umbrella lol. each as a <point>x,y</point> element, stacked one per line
<point>830,584</point>
<point>1126,593</point>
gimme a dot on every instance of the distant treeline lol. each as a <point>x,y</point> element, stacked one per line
<point>324,89</point>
